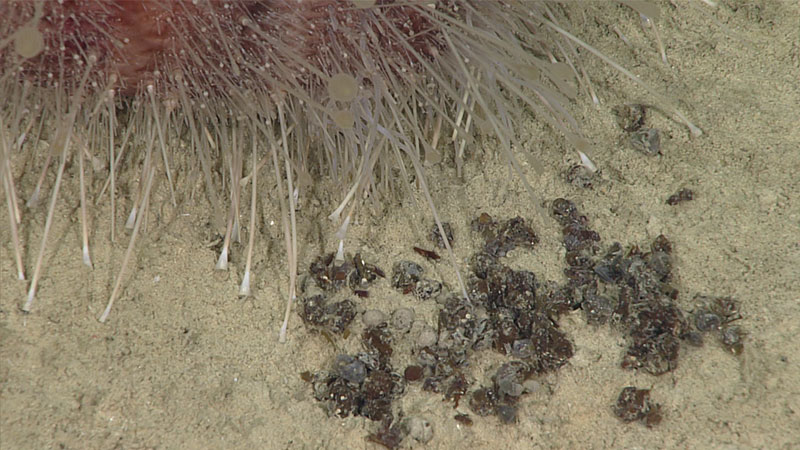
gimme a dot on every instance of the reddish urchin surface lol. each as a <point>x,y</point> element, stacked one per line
<point>348,90</point>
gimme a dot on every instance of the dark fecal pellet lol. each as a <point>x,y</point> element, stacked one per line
<point>435,235</point>
<point>564,211</point>
<point>683,195</point>
<point>389,435</point>
<point>694,338</point>
<point>509,378</point>
<point>405,275</point>
<point>334,317</point>
<point>733,340</point>
<point>579,176</point>
<point>483,401</point>
<point>350,369</point>
<point>631,117</point>
<point>597,308</point>
<point>707,321</point>
<point>428,254</point>
<point>507,414</point>
<point>634,404</point>
<point>647,141</point>
<point>464,419</point>
<point>426,288</point>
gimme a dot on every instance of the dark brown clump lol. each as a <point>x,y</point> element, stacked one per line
<point>634,405</point>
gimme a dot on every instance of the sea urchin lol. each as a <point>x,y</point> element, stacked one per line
<point>356,91</point>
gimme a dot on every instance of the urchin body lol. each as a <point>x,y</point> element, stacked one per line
<point>353,90</point>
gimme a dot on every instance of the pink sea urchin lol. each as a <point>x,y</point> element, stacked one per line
<point>350,90</point>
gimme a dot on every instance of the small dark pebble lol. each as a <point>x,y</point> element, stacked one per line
<point>684,195</point>
<point>634,405</point>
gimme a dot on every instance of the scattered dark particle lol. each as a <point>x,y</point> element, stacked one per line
<point>707,321</point>
<point>389,436</point>
<point>551,348</point>
<point>694,338</point>
<point>361,293</point>
<point>634,404</point>
<point>334,317</point>
<point>429,254</point>
<point>413,373</point>
<point>506,413</point>
<point>350,369</point>
<point>511,234</point>
<point>727,308</point>
<point>342,397</point>
<point>597,308</point>
<point>307,376</point>
<point>464,419</point>
<point>509,378</point>
<point>579,176</point>
<point>405,275</point>
<point>655,332</point>
<point>647,141</point>
<point>485,225</point>
<point>733,340</point>
<point>378,391</point>
<point>457,388</point>
<point>378,339</point>
<point>426,289</point>
<point>577,237</point>
<point>483,401</point>
<point>661,244</point>
<point>480,264</point>
<point>436,237</point>
<point>631,117</point>
<point>329,275</point>
<point>364,273</point>
<point>684,195</point>
<point>564,211</point>
<point>609,268</point>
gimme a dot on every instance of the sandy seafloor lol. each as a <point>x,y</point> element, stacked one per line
<point>184,363</point>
